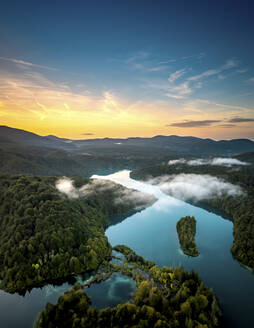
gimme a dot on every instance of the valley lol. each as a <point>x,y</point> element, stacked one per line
<point>59,229</point>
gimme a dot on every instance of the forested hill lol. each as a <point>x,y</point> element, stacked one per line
<point>23,152</point>
<point>46,235</point>
<point>240,208</point>
<point>246,157</point>
<point>174,144</point>
<point>29,138</point>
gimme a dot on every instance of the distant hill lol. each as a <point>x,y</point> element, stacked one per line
<point>166,144</point>
<point>29,138</point>
<point>23,152</point>
<point>176,144</point>
<point>246,157</point>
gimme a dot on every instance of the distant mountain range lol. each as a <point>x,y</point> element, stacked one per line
<point>166,144</point>
<point>23,152</point>
<point>29,138</point>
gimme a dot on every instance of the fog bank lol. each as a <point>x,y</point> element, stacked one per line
<point>95,186</point>
<point>222,161</point>
<point>196,187</point>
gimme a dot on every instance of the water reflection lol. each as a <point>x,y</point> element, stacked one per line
<point>117,289</point>
<point>152,234</point>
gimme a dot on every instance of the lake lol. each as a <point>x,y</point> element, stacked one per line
<point>152,234</point>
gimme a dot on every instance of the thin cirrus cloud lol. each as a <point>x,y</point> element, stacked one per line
<point>240,120</point>
<point>33,96</point>
<point>26,63</point>
<point>138,56</point>
<point>192,124</point>
<point>204,123</point>
<point>187,87</point>
<point>241,71</point>
<point>229,64</point>
<point>176,75</point>
<point>251,80</point>
<point>157,68</point>
<point>31,92</point>
<point>227,125</point>
<point>179,91</point>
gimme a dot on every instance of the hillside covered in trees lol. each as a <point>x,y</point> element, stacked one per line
<point>46,235</point>
<point>240,208</point>
<point>186,230</point>
<point>165,297</point>
<point>23,152</point>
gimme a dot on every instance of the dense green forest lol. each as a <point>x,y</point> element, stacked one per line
<point>165,297</point>
<point>45,235</point>
<point>246,157</point>
<point>240,208</point>
<point>186,229</point>
<point>19,158</point>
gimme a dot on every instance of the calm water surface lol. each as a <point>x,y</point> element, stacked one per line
<point>152,234</point>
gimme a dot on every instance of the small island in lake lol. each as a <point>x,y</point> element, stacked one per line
<point>186,229</point>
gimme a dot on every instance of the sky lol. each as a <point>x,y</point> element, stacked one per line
<point>92,69</point>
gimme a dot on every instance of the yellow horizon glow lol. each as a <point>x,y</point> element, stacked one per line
<point>33,103</point>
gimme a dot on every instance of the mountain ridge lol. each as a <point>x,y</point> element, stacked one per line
<point>169,144</point>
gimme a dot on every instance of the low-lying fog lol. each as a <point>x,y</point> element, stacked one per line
<point>66,186</point>
<point>221,161</point>
<point>194,187</point>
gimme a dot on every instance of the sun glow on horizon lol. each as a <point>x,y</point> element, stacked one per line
<point>33,101</point>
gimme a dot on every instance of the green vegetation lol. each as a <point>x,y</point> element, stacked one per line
<point>44,235</point>
<point>165,297</point>
<point>23,152</point>
<point>246,157</point>
<point>17,157</point>
<point>240,208</point>
<point>186,229</point>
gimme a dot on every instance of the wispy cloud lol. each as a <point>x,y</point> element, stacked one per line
<point>191,83</point>
<point>226,106</point>
<point>199,56</point>
<point>157,68</point>
<point>183,58</point>
<point>33,92</point>
<point>179,91</point>
<point>227,125</point>
<point>169,61</point>
<point>88,134</point>
<point>176,75</point>
<point>193,124</point>
<point>241,71</point>
<point>140,55</point>
<point>26,63</point>
<point>240,120</point>
<point>229,64</point>
<point>29,97</point>
<point>251,80</point>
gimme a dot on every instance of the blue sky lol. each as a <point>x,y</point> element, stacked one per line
<point>170,65</point>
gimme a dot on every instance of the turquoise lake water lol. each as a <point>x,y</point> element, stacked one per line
<point>152,234</point>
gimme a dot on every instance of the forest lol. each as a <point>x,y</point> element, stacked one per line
<point>240,209</point>
<point>44,235</point>
<point>186,230</point>
<point>165,297</point>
